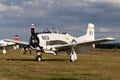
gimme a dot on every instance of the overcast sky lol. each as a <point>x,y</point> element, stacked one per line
<point>72,16</point>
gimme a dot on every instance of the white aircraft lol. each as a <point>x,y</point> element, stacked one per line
<point>52,41</point>
<point>5,44</point>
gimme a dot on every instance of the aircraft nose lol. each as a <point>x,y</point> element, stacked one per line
<point>34,41</point>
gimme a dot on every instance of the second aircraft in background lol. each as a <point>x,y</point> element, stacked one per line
<point>4,44</point>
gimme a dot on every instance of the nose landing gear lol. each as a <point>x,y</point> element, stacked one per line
<point>39,57</point>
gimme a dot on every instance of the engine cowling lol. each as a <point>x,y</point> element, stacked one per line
<point>34,41</point>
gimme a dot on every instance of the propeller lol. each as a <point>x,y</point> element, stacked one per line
<point>34,40</point>
<point>24,49</point>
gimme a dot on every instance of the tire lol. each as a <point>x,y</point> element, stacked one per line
<point>38,58</point>
<point>72,58</point>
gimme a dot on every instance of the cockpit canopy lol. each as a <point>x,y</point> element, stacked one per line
<point>53,30</point>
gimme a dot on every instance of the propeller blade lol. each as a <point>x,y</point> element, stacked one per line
<point>24,49</point>
<point>32,30</point>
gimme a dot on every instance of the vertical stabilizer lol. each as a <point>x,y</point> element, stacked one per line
<point>89,36</point>
<point>16,38</point>
<point>90,32</point>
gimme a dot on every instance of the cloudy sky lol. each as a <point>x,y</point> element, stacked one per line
<point>72,16</point>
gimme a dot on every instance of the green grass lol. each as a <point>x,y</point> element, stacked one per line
<point>91,66</point>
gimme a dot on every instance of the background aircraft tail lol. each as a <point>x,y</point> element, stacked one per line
<point>16,38</point>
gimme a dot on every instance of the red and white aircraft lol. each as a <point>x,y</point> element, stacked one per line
<point>5,44</point>
<point>52,41</point>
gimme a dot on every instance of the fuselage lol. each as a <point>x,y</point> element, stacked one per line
<point>51,37</point>
<point>48,40</point>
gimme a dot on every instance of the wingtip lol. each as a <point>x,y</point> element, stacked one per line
<point>110,38</point>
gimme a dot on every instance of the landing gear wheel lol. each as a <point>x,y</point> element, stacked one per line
<point>38,58</point>
<point>72,59</point>
<point>73,56</point>
<point>4,50</point>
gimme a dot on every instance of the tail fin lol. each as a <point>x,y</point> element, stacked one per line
<point>16,38</point>
<point>89,36</point>
<point>90,32</point>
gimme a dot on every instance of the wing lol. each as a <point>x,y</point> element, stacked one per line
<point>86,43</point>
<point>18,42</point>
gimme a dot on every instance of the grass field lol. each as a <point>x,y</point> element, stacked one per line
<point>95,65</point>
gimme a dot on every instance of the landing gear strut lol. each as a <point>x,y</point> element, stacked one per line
<point>73,56</point>
<point>4,50</point>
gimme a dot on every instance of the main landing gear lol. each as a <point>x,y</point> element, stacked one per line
<point>73,55</point>
<point>4,50</point>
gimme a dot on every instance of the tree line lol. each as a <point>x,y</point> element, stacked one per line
<point>108,46</point>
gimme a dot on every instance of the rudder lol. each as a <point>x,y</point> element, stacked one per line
<point>90,31</point>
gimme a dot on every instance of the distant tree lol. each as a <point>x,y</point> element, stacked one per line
<point>108,46</point>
